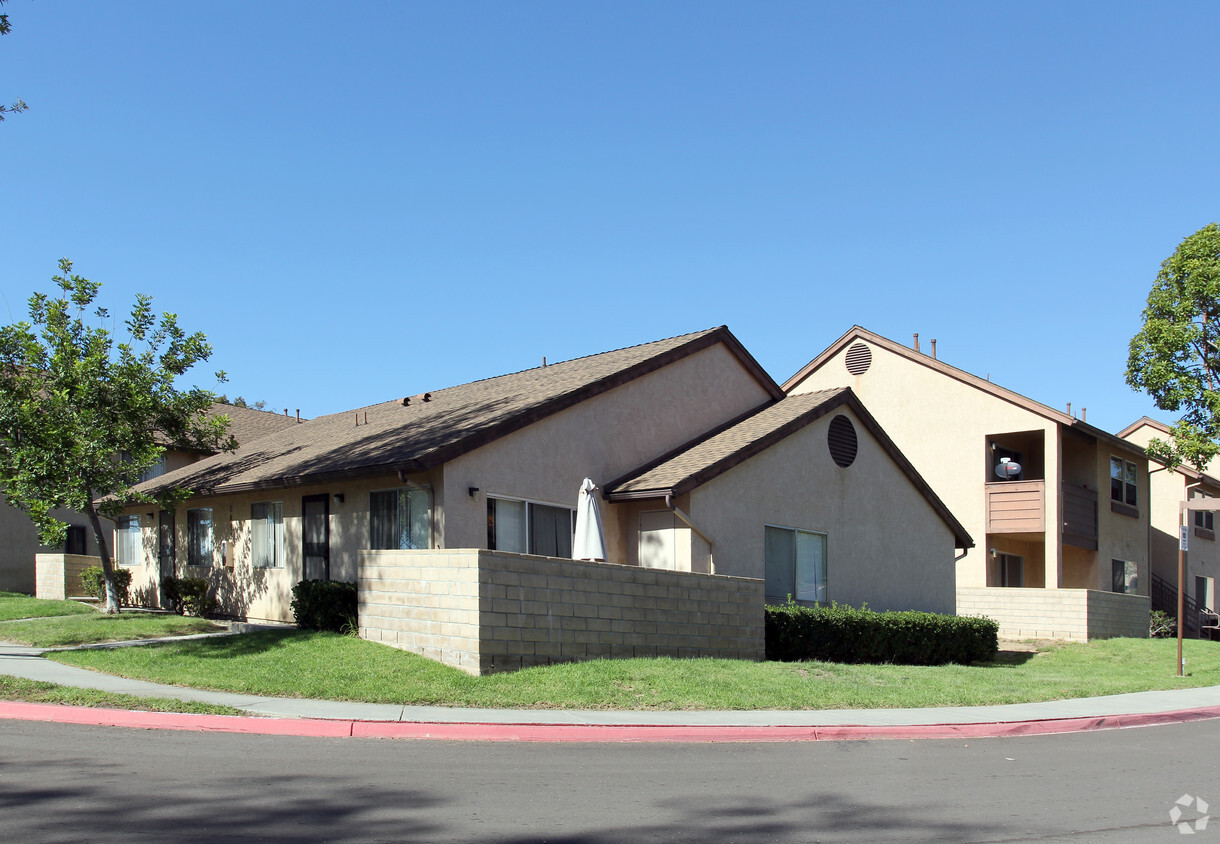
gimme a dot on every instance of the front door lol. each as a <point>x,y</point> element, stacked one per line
<point>165,548</point>
<point>315,530</point>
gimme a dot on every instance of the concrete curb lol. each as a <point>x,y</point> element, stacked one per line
<point>527,732</point>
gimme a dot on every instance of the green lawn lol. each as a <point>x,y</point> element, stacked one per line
<point>93,626</point>
<point>15,605</point>
<point>330,666</point>
<point>32,691</point>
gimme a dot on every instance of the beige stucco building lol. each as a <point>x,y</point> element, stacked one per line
<point>1061,507</point>
<point>1170,487</point>
<point>708,471</point>
<point>19,543</point>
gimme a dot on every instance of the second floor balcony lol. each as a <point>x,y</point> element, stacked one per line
<point>1019,508</point>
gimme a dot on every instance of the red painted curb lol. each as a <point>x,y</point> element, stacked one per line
<point>319,728</point>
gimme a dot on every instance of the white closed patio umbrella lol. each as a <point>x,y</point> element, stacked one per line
<point>590,541</point>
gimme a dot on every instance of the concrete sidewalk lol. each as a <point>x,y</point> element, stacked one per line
<point>1012,719</point>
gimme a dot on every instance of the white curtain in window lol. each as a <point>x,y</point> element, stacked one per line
<point>267,533</point>
<point>508,524</point>
<point>127,541</point>
<point>810,566</point>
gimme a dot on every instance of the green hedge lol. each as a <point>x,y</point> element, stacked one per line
<point>325,605</point>
<point>93,579</point>
<point>188,595</point>
<point>844,634</point>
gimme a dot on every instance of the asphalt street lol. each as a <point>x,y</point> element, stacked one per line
<point>61,783</point>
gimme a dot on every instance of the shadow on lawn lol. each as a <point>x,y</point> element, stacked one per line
<point>242,644</point>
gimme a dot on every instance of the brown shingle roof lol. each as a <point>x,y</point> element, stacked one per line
<point>427,433</point>
<point>701,461</point>
<point>247,423</point>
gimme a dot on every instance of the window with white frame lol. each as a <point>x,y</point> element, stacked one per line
<point>795,562</point>
<point>1123,474</point>
<point>267,534</point>
<point>528,527</point>
<point>127,541</point>
<point>400,519</point>
<point>199,536</point>
<point>1124,576</point>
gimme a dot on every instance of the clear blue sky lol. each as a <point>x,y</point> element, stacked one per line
<point>366,200</point>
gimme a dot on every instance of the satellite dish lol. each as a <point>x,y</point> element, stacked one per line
<point>1007,470</point>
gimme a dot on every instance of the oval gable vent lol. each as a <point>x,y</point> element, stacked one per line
<point>859,358</point>
<point>841,437</point>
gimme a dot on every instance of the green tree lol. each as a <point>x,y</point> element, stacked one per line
<point>1175,357</point>
<point>81,416</point>
<point>19,105</point>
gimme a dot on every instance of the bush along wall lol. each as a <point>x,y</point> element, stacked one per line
<point>189,595</point>
<point>325,605</point>
<point>845,634</point>
<point>93,579</point>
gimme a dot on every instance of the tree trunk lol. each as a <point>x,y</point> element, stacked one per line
<point>112,593</point>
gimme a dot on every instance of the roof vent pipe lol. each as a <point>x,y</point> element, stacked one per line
<point>933,348</point>
<point>1070,410</point>
<point>298,415</point>
<point>1084,411</point>
<point>916,346</point>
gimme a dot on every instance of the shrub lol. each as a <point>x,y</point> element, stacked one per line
<point>845,634</point>
<point>188,595</point>
<point>1161,625</point>
<point>93,579</point>
<point>325,605</point>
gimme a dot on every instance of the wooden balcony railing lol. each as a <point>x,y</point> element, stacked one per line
<point>1016,507</point>
<point>1080,517</point>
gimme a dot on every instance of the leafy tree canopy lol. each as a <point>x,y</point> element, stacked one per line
<point>18,105</point>
<point>81,416</point>
<point>1175,357</point>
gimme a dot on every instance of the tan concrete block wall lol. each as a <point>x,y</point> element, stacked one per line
<point>57,576</point>
<point>1113,614</point>
<point>426,602</point>
<point>485,611</point>
<point>1075,615</point>
<point>541,610</point>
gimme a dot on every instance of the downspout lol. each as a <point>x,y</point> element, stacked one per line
<point>673,508</point>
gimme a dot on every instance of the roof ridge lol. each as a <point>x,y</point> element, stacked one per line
<point>684,337</point>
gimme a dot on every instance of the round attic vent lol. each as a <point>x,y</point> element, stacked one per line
<point>841,437</point>
<point>859,358</point>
